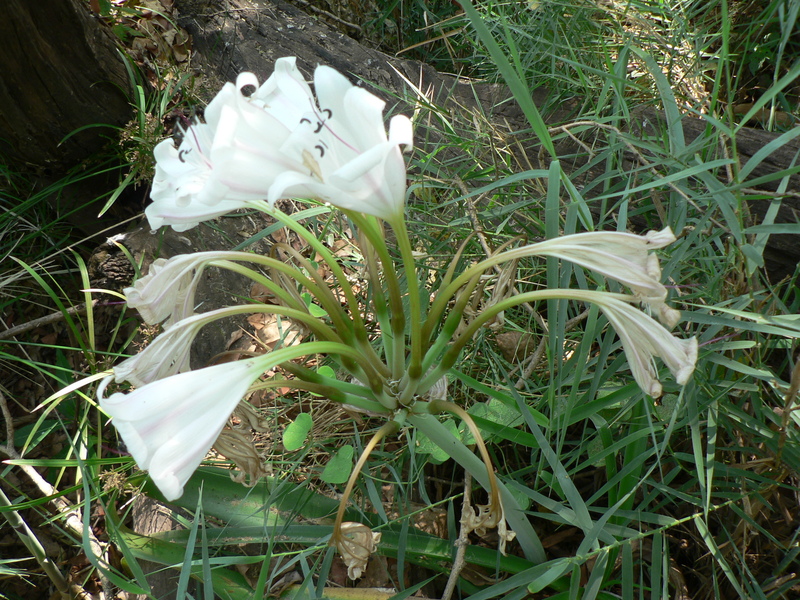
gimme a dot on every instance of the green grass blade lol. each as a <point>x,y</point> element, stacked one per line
<point>514,80</point>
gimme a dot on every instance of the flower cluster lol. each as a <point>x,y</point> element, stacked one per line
<point>260,143</point>
<point>279,142</point>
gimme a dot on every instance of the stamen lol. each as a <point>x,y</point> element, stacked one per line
<point>312,165</point>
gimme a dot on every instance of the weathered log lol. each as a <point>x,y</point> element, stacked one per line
<point>60,71</point>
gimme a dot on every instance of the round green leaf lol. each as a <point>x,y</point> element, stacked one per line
<point>339,467</point>
<point>424,445</point>
<point>326,371</point>
<point>294,436</point>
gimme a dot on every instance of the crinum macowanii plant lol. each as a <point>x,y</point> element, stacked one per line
<point>261,143</point>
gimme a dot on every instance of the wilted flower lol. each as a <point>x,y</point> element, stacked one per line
<point>239,448</point>
<point>167,291</point>
<point>624,257</point>
<point>489,516</point>
<point>169,425</point>
<point>355,543</point>
<point>278,142</point>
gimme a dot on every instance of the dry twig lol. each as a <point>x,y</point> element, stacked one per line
<point>462,541</point>
<point>78,309</point>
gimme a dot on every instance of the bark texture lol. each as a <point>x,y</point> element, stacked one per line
<point>59,71</point>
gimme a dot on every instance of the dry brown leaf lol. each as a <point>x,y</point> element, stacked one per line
<point>516,346</point>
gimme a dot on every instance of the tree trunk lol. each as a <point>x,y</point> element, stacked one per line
<point>59,71</point>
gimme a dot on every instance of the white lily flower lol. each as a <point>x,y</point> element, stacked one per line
<point>279,143</point>
<point>168,354</point>
<point>349,160</point>
<point>624,257</point>
<point>169,425</point>
<point>167,291</point>
<point>643,339</point>
<point>188,188</point>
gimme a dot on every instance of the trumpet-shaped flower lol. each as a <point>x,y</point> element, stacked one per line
<point>643,339</point>
<point>168,354</point>
<point>348,159</point>
<point>279,142</point>
<point>624,257</point>
<point>169,425</point>
<point>187,188</point>
<point>167,291</point>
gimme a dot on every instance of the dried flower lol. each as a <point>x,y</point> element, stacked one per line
<point>355,543</point>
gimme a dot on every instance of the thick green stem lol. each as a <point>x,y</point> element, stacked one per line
<point>443,296</point>
<point>219,258</point>
<point>333,308</point>
<point>463,297</point>
<point>321,330</point>
<point>327,391</point>
<point>330,260</point>
<point>449,326</point>
<point>278,291</point>
<point>377,299</point>
<point>409,264</point>
<point>296,303</point>
<point>287,353</point>
<point>323,294</point>
<point>398,318</point>
<point>310,375</point>
<point>449,357</point>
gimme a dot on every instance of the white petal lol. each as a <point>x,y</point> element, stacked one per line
<point>643,339</point>
<point>169,425</point>
<point>360,166</point>
<point>226,97</point>
<point>363,117</point>
<point>286,93</point>
<point>332,87</point>
<point>375,182</point>
<point>168,211</point>
<point>401,131</point>
<point>295,184</point>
